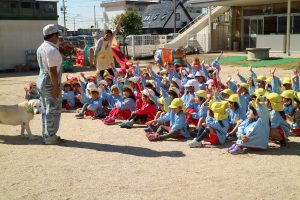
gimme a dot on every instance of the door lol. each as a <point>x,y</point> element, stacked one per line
<point>252,28</point>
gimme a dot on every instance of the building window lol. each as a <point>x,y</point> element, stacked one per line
<point>270,25</point>
<point>155,17</point>
<point>26,5</point>
<point>163,17</point>
<point>147,18</point>
<point>296,27</point>
<point>177,16</point>
<point>14,5</point>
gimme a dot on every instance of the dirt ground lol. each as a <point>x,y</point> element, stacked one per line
<point>107,162</point>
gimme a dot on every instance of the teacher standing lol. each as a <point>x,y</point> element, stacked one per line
<point>103,56</point>
<point>49,83</point>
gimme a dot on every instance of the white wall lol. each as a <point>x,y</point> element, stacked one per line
<point>109,14</point>
<point>16,36</point>
<point>183,18</point>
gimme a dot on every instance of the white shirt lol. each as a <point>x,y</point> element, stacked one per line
<point>49,56</point>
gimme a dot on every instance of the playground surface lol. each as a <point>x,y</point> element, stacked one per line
<point>106,162</point>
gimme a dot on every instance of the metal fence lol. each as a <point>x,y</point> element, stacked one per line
<point>145,45</point>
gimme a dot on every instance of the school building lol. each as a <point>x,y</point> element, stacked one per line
<point>21,25</point>
<point>241,24</point>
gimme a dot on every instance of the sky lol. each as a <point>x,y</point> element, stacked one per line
<point>80,10</point>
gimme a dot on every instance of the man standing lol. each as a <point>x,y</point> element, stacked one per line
<point>103,57</point>
<point>49,83</point>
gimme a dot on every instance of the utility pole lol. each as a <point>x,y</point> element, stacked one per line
<point>174,16</point>
<point>95,17</point>
<point>64,12</point>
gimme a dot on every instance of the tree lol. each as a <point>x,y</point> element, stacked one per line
<point>132,24</point>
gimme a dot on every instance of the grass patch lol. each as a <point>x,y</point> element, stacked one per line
<point>241,61</point>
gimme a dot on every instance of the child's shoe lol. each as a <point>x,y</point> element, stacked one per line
<point>237,150</point>
<point>127,124</point>
<point>195,144</point>
<point>109,121</point>
<point>79,116</point>
<point>150,129</point>
<point>231,148</point>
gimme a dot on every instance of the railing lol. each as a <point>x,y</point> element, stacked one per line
<point>194,21</point>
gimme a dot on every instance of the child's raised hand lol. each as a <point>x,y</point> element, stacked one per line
<point>82,74</point>
<point>229,78</point>
<point>80,90</point>
<point>203,61</point>
<point>272,72</point>
<point>238,73</point>
<point>26,89</point>
<point>250,68</point>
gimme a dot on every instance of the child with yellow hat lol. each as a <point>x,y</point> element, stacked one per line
<point>253,132</point>
<point>279,127</point>
<point>287,100</point>
<point>216,126</point>
<point>295,118</point>
<point>92,105</point>
<point>31,92</point>
<point>197,112</point>
<point>236,114</point>
<point>178,125</point>
<point>122,108</point>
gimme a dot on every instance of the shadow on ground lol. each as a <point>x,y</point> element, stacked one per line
<point>129,150</point>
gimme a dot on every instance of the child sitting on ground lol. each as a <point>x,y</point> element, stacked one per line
<point>31,92</point>
<point>68,96</point>
<point>178,125</point>
<point>123,108</point>
<point>146,113</point>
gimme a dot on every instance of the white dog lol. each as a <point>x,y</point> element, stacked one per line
<point>20,114</point>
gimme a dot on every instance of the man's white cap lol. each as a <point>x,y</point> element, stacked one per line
<point>200,73</point>
<point>50,29</point>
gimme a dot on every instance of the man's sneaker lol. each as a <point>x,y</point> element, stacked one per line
<point>230,148</point>
<point>56,141</point>
<point>195,144</point>
<point>236,150</point>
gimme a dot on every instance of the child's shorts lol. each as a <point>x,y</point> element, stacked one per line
<point>89,113</point>
<point>66,105</point>
<point>213,138</point>
<point>281,132</point>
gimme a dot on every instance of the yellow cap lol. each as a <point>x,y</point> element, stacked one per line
<point>90,78</point>
<point>102,82</point>
<point>128,87</point>
<point>227,91</point>
<point>219,109</point>
<point>163,72</point>
<point>201,93</point>
<point>286,80</point>
<point>275,100</point>
<point>160,100</point>
<point>260,92</point>
<point>94,90</point>
<point>261,78</point>
<point>288,94</point>
<point>297,96</point>
<point>233,98</point>
<point>245,85</point>
<point>269,80</point>
<point>31,84</point>
<point>176,103</point>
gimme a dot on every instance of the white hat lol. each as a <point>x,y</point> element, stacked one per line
<point>148,92</point>
<point>90,85</point>
<point>152,82</point>
<point>190,76</point>
<point>177,81</point>
<point>200,73</point>
<point>194,83</point>
<point>133,79</point>
<point>50,29</point>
